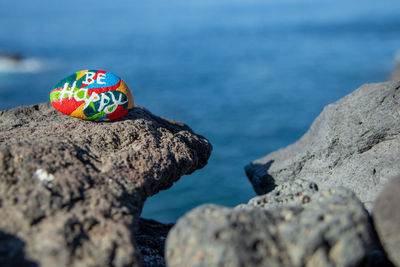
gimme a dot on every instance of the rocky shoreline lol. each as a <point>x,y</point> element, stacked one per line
<point>316,196</point>
<point>72,191</point>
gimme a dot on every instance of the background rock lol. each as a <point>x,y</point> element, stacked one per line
<point>386,215</point>
<point>309,228</point>
<point>296,192</point>
<point>72,190</point>
<point>396,72</point>
<point>354,143</point>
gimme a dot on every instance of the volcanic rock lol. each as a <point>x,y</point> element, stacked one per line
<point>309,228</point>
<point>71,191</point>
<point>354,143</point>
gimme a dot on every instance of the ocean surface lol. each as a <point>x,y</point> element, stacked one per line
<point>249,75</point>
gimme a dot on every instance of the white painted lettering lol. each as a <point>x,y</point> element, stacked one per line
<point>103,101</point>
<point>114,104</point>
<point>89,78</point>
<point>93,98</point>
<point>101,76</point>
<point>81,94</point>
<point>108,102</point>
<point>67,91</point>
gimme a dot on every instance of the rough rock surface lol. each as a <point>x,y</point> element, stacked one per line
<point>71,190</point>
<point>386,215</point>
<point>296,192</point>
<point>150,238</point>
<point>309,228</point>
<point>354,143</point>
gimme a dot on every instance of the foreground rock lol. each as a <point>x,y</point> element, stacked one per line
<point>71,191</point>
<point>386,214</point>
<point>292,226</point>
<point>354,143</point>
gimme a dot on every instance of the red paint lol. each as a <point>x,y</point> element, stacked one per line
<point>118,113</point>
<point>104,89</point>
<point>66,106</point>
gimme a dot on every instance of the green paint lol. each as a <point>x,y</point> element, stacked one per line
<point>110,108</point>
<point>70,80</point>
<point>79,83</point>
<point>96,116</point>
<point>92,105</point>
<point>54,96</point>
<point>80,94</point>
<point>90,110</point>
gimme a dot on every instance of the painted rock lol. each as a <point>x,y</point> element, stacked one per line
<point>95,95</point>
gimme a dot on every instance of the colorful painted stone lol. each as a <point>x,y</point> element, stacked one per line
<point>96,95</point>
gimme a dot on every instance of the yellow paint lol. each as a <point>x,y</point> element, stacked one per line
<point>80,74</point>
<point>78,113</point>
<point>124,89</point>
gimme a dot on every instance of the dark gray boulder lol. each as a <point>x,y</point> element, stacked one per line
<point>72,190</point>
<point>298,226</point>
<point>386,215</point>
<point>354,143</point>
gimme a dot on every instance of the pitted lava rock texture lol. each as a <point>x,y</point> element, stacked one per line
<point>72,190</point>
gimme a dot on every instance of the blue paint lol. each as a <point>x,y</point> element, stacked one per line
<point>110,79</point>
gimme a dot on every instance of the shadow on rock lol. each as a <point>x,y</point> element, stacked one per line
<point>260,178</point>
<point>12,252</point>
<point>150,237</point>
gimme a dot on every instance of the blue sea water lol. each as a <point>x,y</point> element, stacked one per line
<point>250,75</point>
